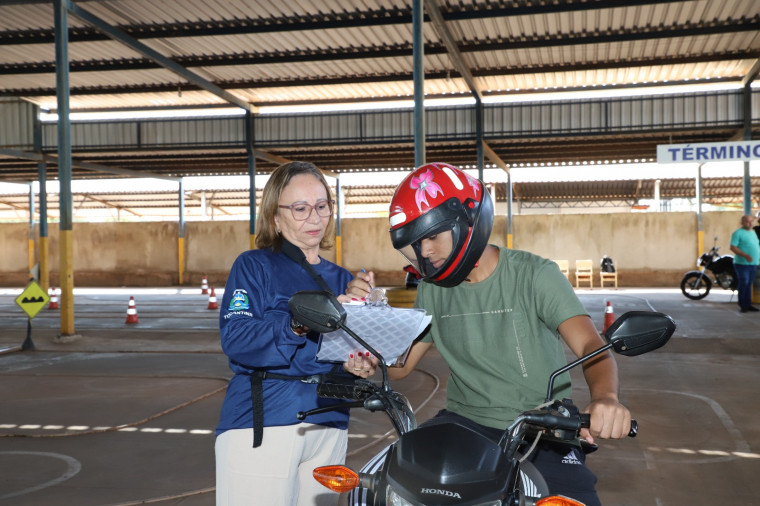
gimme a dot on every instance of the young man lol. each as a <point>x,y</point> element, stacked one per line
<point>499,319</point>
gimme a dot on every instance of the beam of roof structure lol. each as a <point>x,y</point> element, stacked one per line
<point>297,23</point>
<point>431,6</point>
<point>120,36</point>
<point>87,196</point>
<point>40,157</point>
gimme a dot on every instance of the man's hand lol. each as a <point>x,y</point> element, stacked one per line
<point>609,420</point>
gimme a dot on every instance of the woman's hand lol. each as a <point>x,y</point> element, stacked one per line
<point>362,364</point>
<point>359,287</point>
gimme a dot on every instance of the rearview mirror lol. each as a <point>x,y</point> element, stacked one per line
<point>318,310</point>
<point>638,332</point>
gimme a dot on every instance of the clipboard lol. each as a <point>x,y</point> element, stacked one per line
<point>390,330</point>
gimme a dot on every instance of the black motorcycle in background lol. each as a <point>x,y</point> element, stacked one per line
<point>696,285</point>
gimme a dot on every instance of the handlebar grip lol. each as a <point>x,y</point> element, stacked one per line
<point>553,422</point>
<point>586,423</point>
<point>348,389</point>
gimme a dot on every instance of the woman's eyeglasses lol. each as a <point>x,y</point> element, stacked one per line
<point>301,211</point>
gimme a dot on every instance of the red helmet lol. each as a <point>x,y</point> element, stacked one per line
<point>437,198</point>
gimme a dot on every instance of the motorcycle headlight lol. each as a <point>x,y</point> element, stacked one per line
<point>393,499</point>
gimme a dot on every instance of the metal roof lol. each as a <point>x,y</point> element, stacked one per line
<point>270,52</point>
<point>319,51</point>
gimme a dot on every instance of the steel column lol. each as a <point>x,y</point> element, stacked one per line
<point>250,139</point>
<point>700,227</point>
<point>479,136</point>
<point>30,242</point>
<point>338,220</point>
<point>66,205</point>
<point>181,235</point>
<point>747,182</point>
<point>42,254</point>
<point>418,54</point>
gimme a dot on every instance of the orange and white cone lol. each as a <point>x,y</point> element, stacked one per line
<point>609,316</point>
<point>212,304</point>
<point>132,311</point>
<point>53,298</point>
<point>204,285</point>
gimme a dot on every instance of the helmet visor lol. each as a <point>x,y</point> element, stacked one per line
<point>431,254</point>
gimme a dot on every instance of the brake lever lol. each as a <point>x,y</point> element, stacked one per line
<point>333,407</point>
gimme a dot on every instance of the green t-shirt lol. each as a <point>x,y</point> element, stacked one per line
<point>499,337</point>
<point>747,241</point>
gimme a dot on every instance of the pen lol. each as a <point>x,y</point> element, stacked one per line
<point>365,272</point>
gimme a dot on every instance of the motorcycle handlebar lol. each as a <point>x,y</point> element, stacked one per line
<point>570,423</point>
<point>586,423</point>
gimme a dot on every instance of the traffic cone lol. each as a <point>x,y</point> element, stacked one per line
<point>609,317</point>
<point>212,304</point>
<point>132,311</point>
<point>53,298</point>
<point>204,285</point>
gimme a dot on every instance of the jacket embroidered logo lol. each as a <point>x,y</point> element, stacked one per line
<point>239,301</point>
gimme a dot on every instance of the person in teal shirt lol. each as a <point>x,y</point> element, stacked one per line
<point>746,247</point>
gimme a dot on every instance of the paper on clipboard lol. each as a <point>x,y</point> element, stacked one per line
<point>389,330</point>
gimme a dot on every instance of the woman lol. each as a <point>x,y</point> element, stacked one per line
<point>264,455</point>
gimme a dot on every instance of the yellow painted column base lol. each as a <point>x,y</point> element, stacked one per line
<point>66,275</point>
<point>700,242</point>
<point>31,254</point>
<point>44,264</point>
<point>181,259</point>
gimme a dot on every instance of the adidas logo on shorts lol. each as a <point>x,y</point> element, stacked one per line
<point>570,458</point>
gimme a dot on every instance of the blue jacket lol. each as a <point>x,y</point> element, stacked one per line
<point>254,324</point>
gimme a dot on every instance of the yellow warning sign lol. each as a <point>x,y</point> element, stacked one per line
<point>32,299</point>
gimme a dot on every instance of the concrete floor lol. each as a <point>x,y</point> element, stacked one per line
<point>125,415</point>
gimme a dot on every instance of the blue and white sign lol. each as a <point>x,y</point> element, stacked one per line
<point>742,151</point>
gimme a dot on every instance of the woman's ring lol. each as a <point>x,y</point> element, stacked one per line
<point>357,368</point>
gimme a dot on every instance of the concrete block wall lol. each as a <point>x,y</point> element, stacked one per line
<point>649,249</point>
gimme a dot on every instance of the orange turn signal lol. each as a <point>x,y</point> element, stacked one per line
<point>337,478</point>
<point>558,500</point>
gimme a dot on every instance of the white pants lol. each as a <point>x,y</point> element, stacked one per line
<point>279,472</point>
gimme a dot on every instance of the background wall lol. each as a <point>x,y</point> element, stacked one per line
<point>649,249</point>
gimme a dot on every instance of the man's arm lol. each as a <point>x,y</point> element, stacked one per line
<point>609,418</point>
<point>739,252</point>
<point>415,355</point>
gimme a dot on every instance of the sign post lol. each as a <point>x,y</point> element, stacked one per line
<point>31,301</point>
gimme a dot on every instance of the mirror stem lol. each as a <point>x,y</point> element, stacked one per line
<point>380,359</point>
<point>570,366</point>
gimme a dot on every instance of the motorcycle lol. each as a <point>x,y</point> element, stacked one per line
<point>696,285</point>
<point>448,463</point>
